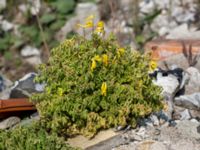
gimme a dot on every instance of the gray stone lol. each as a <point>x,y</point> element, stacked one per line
<point>162,4</point>
<point>145,145</point>
<point>25,86</point>
<point>2,4</point>
<point>147,6</point>
<point>34,60</point>
<point>193,85</point>
<point>160,21</point>
<point>6,25</point>
<point>142,132</point>
<point>145,122</point>
<point>158,146</point>
<point>35,6</point>
<point>188,129</point>
<point>164,31</point>
<point>178,59</point>
<point>5,94</point>
<point>183,32</point>
<point>35,116</point>
<point>9,122</point>
<point>168,83</point>
<point>23,8</point>
<point>154,120</point>
<point>189,101</point>
<point>28,51</point>
<point>195,114</point>
<point>194,120</point>
<point>185,115</point>
<point>184,145</point>
<point>27,121</point>
<point>183,15</point>
<point>177,112</point>
<point>5,85</point>
<point>83,10</point>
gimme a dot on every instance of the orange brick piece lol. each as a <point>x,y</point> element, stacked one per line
<point>12,107</point>
<point>162,49</point>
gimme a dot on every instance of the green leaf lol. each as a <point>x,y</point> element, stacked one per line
<point>57,25</point>
<point>64,6</point>
<point>8,55</point>
<point>48,18</point>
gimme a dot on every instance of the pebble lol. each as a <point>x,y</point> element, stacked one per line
<point>2,4</point>
<point>28,51</point>
<point>6,25</point>
<point>154,120</point>
<point>9,122</point>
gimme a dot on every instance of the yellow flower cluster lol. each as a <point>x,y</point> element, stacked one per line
<point>104,89</point>
<point>100,28</point>
<point>97,58</point>
<point>94,65</point>
<point>89,23</point>
<point>120,52</point>
<point>152,65</point>
<point>104,60</point>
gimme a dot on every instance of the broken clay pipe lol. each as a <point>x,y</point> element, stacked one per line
<point>16,107</point>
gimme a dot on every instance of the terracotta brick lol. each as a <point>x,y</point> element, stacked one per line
<point>163,49</point>
<point>13,107</point>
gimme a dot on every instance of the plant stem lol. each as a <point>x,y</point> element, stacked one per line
<point>43,37</point>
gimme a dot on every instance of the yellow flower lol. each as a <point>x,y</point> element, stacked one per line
<point>94,65</point>
<point>96,58</point>
<point>100,24</point>
<point>91,17</point>
<point>105,59</point>
<point>120,52</point>
<point>88,24</point>
<point>104,89</point>
<point>100,27</point>
<point>60,92</point>
<point>152,65</point>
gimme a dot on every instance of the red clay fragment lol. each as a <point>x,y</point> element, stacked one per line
<point>162,49</point>
<point>15,107</point>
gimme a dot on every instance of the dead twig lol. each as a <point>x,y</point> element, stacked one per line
<point>187,52</point>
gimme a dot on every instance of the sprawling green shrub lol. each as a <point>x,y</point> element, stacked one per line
<point>94,84</point>
<point>32,137</point>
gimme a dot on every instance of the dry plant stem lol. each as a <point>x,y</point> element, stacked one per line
<point>43,37</point>
<point>187,52</point>
<point>136,27</point>
<point>112,8</point>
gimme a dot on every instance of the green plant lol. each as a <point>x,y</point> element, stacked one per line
<point>32,137</point>
<point>94,84</point>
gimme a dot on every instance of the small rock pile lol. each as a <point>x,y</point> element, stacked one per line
<point>176,128</point>
<point>175,18</point>
<point>22,88</point>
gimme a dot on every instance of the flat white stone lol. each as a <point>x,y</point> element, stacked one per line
<point>30,51</point>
